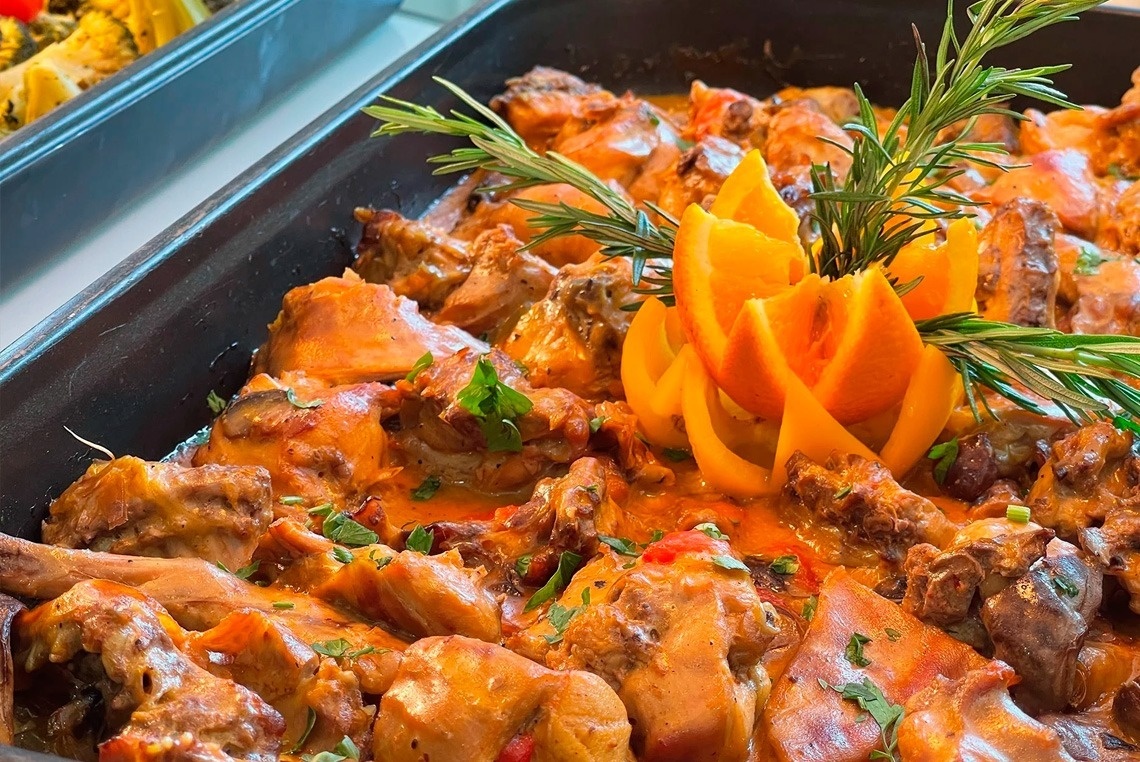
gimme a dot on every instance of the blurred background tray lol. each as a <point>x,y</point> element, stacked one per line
<point>91,158</point>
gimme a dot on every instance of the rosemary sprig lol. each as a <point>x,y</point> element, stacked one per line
<point>899,179</point>
<point>625,231</point>
<point>1080,374</point>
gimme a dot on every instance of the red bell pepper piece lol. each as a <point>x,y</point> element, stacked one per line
<point>24,10</point>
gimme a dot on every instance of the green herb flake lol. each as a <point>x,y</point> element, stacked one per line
<point>730,563</point>
<point>944,455</point>
<point>420,540</point>
<point>893,635</point>
<point>785,565</point>
<point>216,403</point>
<point>1088,261</point>
<point>842,492</point>
<point>309,723</point>
<point>597,423</point>
<point>1065,586</point>
<point>290,500</point>
<point>1018,514</point>
<point>656,535</point>
<point>810,605</point>
<point>334,648</point>
<point>381,561</point>
<point>420,366</point>
<point>344,750</point>
<point>712,530</point>
<point>427,489</point>
<point>619,545</point>
<point>871,700</point>
<point>567,565</point>
<point>338,527</point>
<point>496,406</point>
<point>282,605</point>
<point>522,563</point>
<point>677,454</point>
<point>342,555</point>
<point>244,572</point>
<point>854,650</point>
<point>292,397</point>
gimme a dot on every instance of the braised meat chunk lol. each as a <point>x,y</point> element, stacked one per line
<point>132,507</point>
<point>539,104</point>
<point>1018,273</point>
<point>411,257</point>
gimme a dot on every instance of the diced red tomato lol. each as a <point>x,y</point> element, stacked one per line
<point>24,10</point>
<point>666,550</point>
<point>520,749</point>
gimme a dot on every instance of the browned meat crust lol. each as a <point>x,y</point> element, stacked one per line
<point>1018,272</point>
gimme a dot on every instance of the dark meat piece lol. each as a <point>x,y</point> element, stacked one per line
<point>344,331</point>
<point>1017,265</point>
<point>1088,473</point>
<point>995,501</point>
<point>1120,228</point>
<point>573,337</point>
<point>540,103</point>
<point>567,513</point>
<point>794,143</point>
<point>975,469</point>
<point>503,283</point>
<point>984,558</point>
<point>619,434</point>
<point>1090,737</point>
<point>170,708</point>
<point>1061,180</point>
<point>460,699</point>
<point>1116,544</point>
<point>721,112</point>
<point>438,431</point>
<point>701,171</point>
<point>135,508</point>
<point>9,608</point>
<point>1018,437</point>
<point>411,257</point>
<point>680,642</point>
<point>973,718</point>
<point>1039,623</point>
<point>251,649</point>
<point>1126,709</point>
<point>333,451</point>
<point>861,496</point>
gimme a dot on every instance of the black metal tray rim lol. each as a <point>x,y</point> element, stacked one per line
<point>134,82</point>
<point>134,268</point>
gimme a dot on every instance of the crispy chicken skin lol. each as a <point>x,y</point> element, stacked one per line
<point>456,698</point>
<point>679,638</point>
<point>345,330</point>
<point>973,718</point>
<point>132,507</point>
<point>172,708</point>
<point>322,448</point>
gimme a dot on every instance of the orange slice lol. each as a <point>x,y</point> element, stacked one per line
<point>949,272</point>
<point>748,196</point>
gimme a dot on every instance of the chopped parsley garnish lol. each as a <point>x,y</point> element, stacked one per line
<point>339,527</point>
<point>730,563</point>
<point>712,530</point>
<point>244,572</point>
<point>810,605</point>
<point>871,700</point>
<point>854,650</point>
<point>893,635</point>
<point>1018,514</point>
<point>1088,261</point>
<point>380,562</point>
<point>944,454</point>
<point>427,489</point>
<point>677,454</point>
<point>420,540</point>
<point>334,648</point>
<point>785,565</point>
<point>420,365</point>
<point>344,750</point>
<point>309,723</point>
<point>282,605</point>
<point>559,617</point>
<point>342,555</point>
<point>496,406</point>
<point>654,537</point>
<point>290,500</point>
<point>292,397</point>
<point>842,492</point>
<point>619,545</point>
<point>522,564</point>
<point>216,403</point>
<point>567,565</point>
<point>596,423</point>
<point>1065,586</point>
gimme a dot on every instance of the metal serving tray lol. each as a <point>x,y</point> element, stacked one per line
<point>128,363</point>
<point>91,157</point>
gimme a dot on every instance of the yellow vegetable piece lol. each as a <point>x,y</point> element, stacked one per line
<point>935,390</point>
<point>646,357</point>
<point>721,468</point>
<point>45,87</point>
<point>809,428</point>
